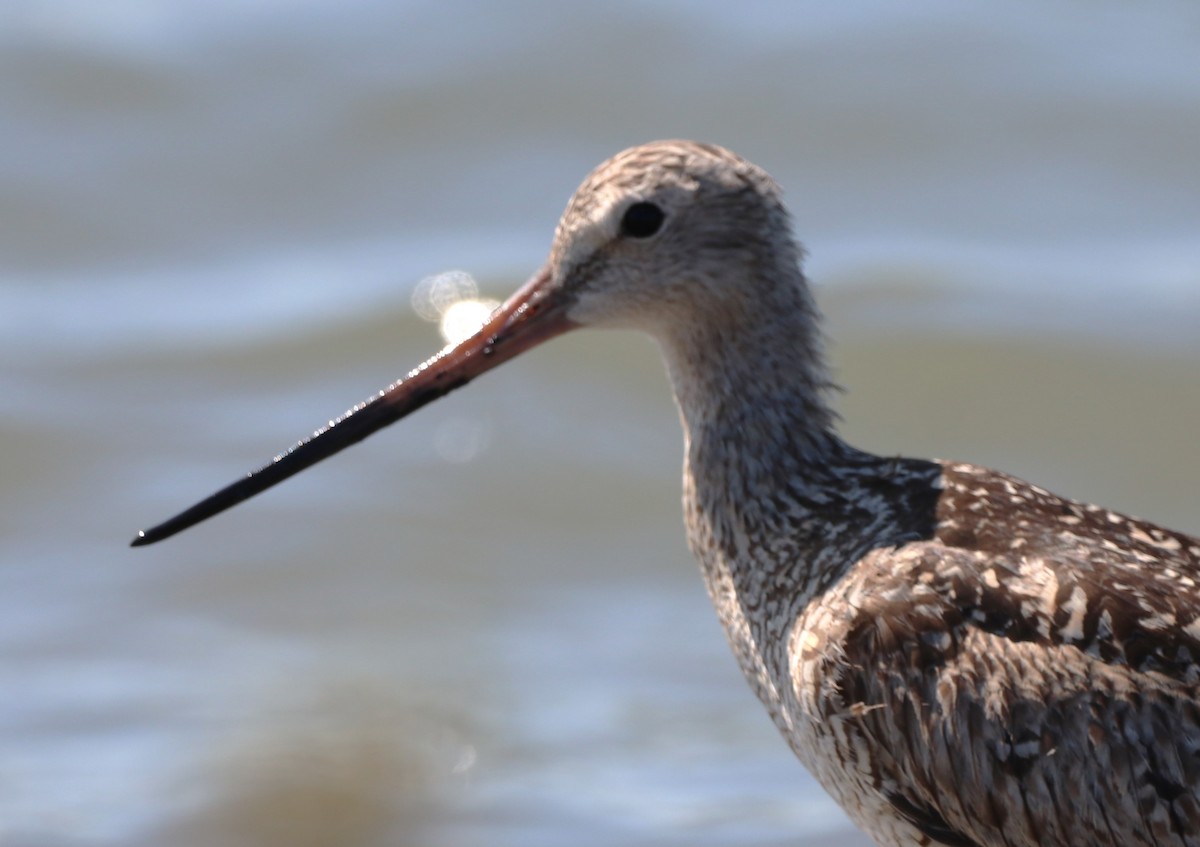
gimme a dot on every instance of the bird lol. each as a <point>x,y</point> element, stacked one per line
<point>959,657</point>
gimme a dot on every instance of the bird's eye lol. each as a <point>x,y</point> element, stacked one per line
<point>642,220</point>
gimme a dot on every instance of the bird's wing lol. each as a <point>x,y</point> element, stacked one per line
<point>1032,680</point>
<point>1055,571</point>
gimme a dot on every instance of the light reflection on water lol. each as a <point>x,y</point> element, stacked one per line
<point>462,439</point>
<point>451,300</point>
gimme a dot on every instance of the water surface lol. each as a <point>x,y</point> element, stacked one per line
<point>484,627</point>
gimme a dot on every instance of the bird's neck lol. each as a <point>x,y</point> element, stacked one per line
<point>763,469</point>
<point>752,390</point>
<point>763,463</point>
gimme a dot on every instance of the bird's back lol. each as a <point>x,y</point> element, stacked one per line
<point>1025,673</point>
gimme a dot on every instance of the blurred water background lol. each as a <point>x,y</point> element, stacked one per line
<point>483,627</point>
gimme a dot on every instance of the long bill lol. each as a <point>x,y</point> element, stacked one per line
<point>535,313</point>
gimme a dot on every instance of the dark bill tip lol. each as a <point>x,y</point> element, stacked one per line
<point>391,404</point>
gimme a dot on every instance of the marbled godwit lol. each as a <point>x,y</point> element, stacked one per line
<point>960,657</point>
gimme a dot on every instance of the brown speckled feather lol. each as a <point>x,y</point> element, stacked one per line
<point>1020,684</point>
<point>1036,660</point>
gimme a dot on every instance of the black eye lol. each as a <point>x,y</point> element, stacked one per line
<point>642,220</point>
